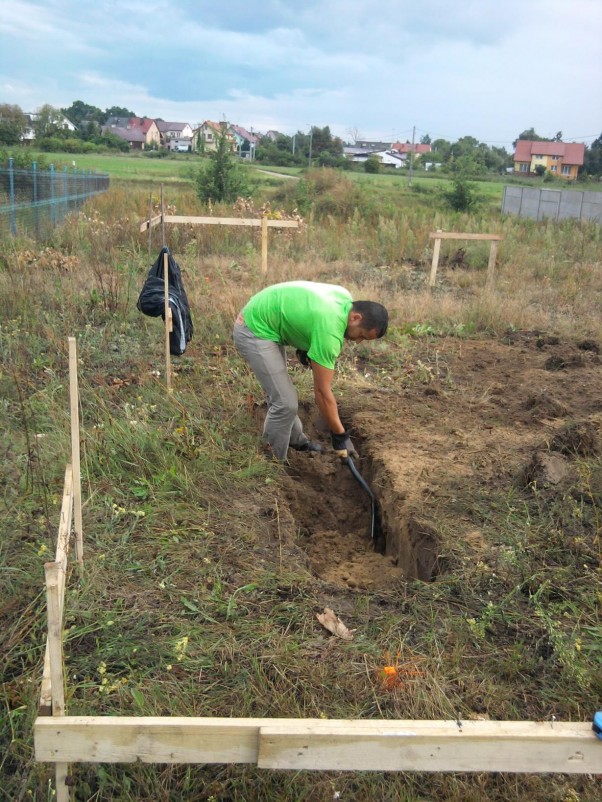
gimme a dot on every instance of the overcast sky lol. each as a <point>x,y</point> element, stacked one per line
<point>485,68</point>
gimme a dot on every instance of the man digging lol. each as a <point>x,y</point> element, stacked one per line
<point>315,319</point>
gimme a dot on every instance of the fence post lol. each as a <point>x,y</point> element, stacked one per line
<point>168,321</point>
<point>162,224</point>
<point>11,183</point>
<point>52,216</point>
<point>36,213</point>
<point>66,189</point>
<point>150,217</point>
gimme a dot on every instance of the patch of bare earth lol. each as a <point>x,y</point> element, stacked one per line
<point>499,415</point>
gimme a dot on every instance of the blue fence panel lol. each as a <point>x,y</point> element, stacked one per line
<point>33,201</point>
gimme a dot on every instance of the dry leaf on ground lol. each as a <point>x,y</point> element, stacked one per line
<point>330,621</point>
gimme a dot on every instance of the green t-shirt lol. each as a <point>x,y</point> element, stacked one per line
<point>303,314</point>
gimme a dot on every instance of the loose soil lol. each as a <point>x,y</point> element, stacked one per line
<point>490,416</point>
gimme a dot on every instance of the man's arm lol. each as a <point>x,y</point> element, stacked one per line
<point>325,400</point>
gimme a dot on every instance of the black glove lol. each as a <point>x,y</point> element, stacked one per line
<point>343,446</point>
<point>303,358</point>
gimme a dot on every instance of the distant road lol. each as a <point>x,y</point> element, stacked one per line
<point>280,175</point>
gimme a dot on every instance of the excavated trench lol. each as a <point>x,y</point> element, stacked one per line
<point>332,513</point>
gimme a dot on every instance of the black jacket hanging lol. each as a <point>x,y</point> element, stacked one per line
<point>152,301</point>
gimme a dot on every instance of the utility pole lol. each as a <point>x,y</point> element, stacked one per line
<point>294,140</point>
<point>411,156</point>
<point>311,138</point>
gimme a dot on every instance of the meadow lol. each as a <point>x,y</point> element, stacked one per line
<point>201,582</point>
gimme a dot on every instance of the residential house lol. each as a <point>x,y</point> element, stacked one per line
<point>169,131</point>
<point>30,134</point>
<point>139,132</point>
<point>562,159</point>
<point>133,136</point>
<point>386,157</point>
<point>246,142</point>
<point>273,135</point>
<point>418,148</point>
<point>204,138</point>
<point>372,144</point>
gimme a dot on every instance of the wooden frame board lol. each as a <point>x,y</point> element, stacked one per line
<point>324,745</point>
<point>441,235</point>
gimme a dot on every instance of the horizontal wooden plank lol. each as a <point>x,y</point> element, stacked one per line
<point>154,221</point>
<point>454,235</point>
<point>104,739</point>
<point>230,221</point>
<point>529,747</point>
<point>510,746</point>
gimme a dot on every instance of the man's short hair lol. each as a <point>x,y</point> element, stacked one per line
<point>374,316</point>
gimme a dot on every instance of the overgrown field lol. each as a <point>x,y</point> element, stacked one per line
<point>205,564</point>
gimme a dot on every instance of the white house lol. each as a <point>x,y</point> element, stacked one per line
<point>389,158</point>
<point>170,131</point>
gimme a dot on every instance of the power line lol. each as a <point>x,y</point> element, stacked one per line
<point>502,141</point>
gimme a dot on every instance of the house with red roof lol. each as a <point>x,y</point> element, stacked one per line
<point>138,132</point>
<point>562,159</point>
<point>418,148</point>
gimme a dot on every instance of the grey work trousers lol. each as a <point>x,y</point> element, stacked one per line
<point>267,360</point>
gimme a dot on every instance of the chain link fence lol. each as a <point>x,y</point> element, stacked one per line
<point>33,201</point>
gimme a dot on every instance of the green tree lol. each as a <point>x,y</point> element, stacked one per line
<point>440,151</point>
<point>530,135</point>
<point>372,164</point>
<point>117,111</point>
<point>13,123</point>
<point>593,158</point>
<point>80,113</point>
<point>462,196</point>
<point>48,121</point>
<point>222,178</point>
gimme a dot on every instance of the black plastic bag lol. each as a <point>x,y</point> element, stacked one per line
<point>151,301</point>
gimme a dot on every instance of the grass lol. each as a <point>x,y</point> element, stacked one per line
<point>193,602</point>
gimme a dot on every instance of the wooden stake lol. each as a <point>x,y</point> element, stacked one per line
<point>162,220</point>
<point>75,451</point>
<point>491,264</point>
<point>62,550</point>
<point>150,222</point>
<point>435,262</point>
<point>264,245</point>
<point>54,582</point>
<point>168,322</point>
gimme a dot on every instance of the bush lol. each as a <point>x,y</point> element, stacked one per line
<point>372,164</point>
<point>462,196</point>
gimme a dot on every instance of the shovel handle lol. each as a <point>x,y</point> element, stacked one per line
<point>357,475</point>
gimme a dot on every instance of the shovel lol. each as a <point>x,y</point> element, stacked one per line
<point>374,527</point>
